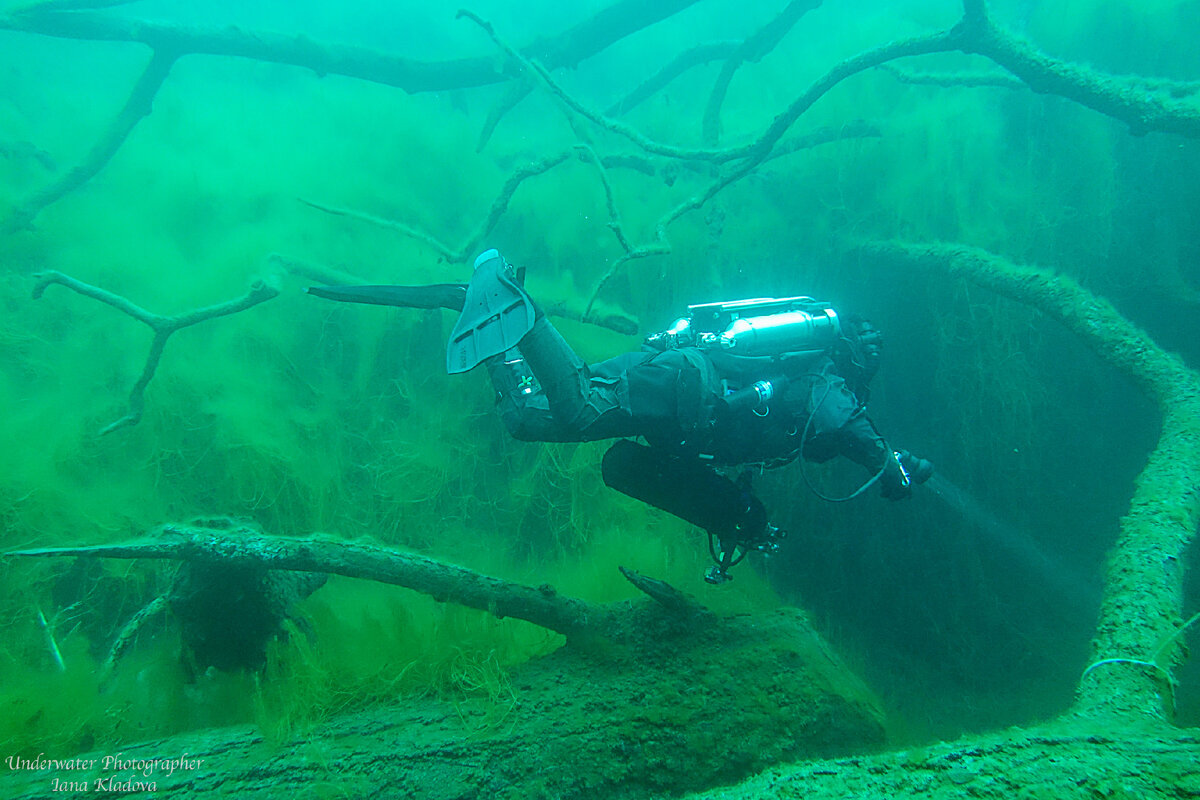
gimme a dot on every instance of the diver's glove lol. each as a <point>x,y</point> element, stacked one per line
<point>901,470</point>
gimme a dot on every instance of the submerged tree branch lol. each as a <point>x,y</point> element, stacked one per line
<point>1125,99</point>
<point>244,546</point>
<point>170,42</point>
<point>697,56</point>
<point>163,327</point>
<point>565,49</point>
<point>1143,600</point>
<point>1144,104</point>
<point>614,320</point>
<point>138,105</point>
<point>757,45</point>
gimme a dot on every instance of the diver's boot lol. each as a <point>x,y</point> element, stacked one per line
<point>496,315</point>
<point>437,295</point>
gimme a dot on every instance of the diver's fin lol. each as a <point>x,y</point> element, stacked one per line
<point>496,315</point>
<point>438,295</point>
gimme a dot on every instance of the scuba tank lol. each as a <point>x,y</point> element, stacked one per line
<point>743,332</point>
<point>762,326</point>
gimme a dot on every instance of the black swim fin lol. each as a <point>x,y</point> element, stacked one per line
<point>497,313</point>
<point>438,295</point>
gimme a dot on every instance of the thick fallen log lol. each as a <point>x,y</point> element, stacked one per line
<point>646,699</point>
<point>1137,636</point>
<point>241,546</point>
<point>1059,761</point>
<point>698,710</point>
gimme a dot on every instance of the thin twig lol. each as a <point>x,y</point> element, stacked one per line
<point>462,254</point>
<point>51,643</point>
<point>662,245</point>
<point>447,252</point>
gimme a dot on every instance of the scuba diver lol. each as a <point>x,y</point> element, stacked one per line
<point>734,385</point>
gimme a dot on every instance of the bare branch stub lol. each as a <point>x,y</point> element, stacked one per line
<point>518,90</point>
<point>666,595</point>
<point>163,326</point>
<point>615,321</point>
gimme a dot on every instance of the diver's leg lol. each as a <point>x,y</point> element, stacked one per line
<point>578,399</point>
<point>562,374</point>
<point>499,320</point>
<point>522,404</point>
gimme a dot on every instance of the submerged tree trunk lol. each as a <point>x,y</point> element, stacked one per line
<point>1059,761</point>
<point>652,697</point>
<point>602,721</point>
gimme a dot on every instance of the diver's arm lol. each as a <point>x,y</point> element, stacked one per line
<point>861,443</point>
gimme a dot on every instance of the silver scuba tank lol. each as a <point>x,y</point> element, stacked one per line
<point>786,332</point>
<point>762,326</point>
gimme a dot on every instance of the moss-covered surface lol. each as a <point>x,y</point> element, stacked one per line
<point>1143,596</point>
<point>1058,761</point>
<point>663,716</point>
